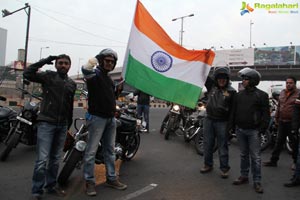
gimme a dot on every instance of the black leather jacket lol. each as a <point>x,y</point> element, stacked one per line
<point>219,101</point>
<point>58,94</point>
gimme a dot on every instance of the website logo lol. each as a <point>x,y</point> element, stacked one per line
<point>246,8</point>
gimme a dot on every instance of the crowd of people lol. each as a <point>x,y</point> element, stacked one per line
<point>247,112</point>
<point>226,110</point>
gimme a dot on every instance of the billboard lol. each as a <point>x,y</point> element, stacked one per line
<point>234,57</point>
<point>282,55</point>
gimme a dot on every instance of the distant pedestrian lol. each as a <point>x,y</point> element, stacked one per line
<point>143,106</point>
<point>54,119</point>
<point>250,116</point>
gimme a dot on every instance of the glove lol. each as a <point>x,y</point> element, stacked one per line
<point>91,63</point>
<point>49,60</point>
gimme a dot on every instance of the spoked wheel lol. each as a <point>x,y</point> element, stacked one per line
<point>132,148</point>
<point>265,140</point>
<point>199,143</point>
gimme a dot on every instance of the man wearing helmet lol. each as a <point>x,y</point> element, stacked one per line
<point>283,118</point>
<point>250,116</point>
<point>100,118</point>
<point>219,104</point>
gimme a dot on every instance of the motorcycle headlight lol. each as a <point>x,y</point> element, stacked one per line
<point>176,107</point>
<point>27,115</point>
<point>80,145</point>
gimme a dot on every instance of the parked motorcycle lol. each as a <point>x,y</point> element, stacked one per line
<point>24,129</point>
<point>172,121</point>
<point>126,145</point>
<point>7,117</point>
<point>199,139</point>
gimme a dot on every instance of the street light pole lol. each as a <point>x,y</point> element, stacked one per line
<point>251,23</point>
<point>28,11</point>
<point>181,30</point>
<point>42,50</point>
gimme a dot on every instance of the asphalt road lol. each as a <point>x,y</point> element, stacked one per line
<point>161,170</point>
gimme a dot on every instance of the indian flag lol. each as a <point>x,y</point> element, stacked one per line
<point>162,68</point>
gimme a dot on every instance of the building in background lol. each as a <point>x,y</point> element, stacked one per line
<point>3,40</point>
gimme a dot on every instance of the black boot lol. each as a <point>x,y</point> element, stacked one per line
<point>295,181</point>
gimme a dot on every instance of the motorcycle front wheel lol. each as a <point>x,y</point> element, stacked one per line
<point>265,140</point>
<point>199,143</point>
<point>170,125</point>
<point>70,164</point>
<point>11,143</point>
<point>132,148</point>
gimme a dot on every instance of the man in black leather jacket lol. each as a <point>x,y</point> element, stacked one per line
<point>219,103</point>
<point>54,119</point>
<point>250,116</point>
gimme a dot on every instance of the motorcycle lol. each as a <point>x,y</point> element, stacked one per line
<point>172,120</point>
<point>199,139</point>
<point>126,144</point>
<point>7,118</point>
<point>24,129</point>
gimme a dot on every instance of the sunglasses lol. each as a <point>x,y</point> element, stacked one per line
<point>245,78</point>
<point>109,61</point>
<point>63,62</point>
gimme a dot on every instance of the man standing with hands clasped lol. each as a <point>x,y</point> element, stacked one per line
<point>250,116</point>
<point>100,119</point>
<point>54,119</point>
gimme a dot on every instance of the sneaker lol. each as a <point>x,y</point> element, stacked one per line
<point>240,180</point>
<point>224,174</point>
<point>294,182</point>
<point>90,189</point>
<point>270,164</point>
<point>116,184</point>
<point>57,191</point>
<point>206,169</point>
<point>258,188</point>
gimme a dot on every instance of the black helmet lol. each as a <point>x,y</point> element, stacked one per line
<point>223,72</point>
<point>253,75</point>
<point>107,52</point>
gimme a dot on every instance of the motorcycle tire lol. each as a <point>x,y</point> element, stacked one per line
<point>265,140</point>
<point>170,126</point>
<point>199,143</point>
<point>288,145</point>
<point>11,143</point>
<point>132,148</point>
<point>70,164</point>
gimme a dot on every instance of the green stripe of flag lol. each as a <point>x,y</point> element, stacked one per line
<point>155,84</point>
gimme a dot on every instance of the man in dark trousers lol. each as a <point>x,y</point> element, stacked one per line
<point>143,106</point>
<point>54,119</point>
<point>283,117</point>
<point>250,116</point>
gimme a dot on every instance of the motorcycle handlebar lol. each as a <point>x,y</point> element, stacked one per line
<point>28,93</point>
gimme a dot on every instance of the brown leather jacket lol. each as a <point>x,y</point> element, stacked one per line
<point>286,104</point>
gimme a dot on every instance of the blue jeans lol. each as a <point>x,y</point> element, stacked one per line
<point>249,143</point>
<point>50,142</point>
<point>103,129</point>
<point>144,109</point>
<point>213,129</point>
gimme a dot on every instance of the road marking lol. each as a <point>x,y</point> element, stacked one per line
<point>139,192</point>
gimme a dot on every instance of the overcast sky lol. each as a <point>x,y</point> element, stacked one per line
<point>82,29</point>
